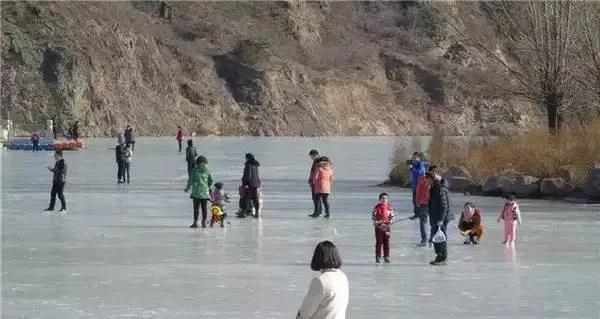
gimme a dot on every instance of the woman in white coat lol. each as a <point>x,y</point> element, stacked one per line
<point>327,296</point>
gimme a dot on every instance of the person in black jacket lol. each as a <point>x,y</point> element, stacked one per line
<point>251,181</point>
<point>439,214</point>
<point>58,182</point>
<point>120,158</point>
<point>190,156</point>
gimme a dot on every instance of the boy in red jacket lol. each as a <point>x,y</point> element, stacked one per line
<point>383,217</point>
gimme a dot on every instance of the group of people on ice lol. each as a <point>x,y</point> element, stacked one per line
<point>431,202</point>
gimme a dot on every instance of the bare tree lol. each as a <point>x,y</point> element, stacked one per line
<point>590,47</point>
<point>541,37</point>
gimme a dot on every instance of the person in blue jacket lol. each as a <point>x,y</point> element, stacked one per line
<point>418,167</point>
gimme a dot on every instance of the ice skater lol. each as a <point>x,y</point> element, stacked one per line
<point>383,217</point>
<point>511,215</point>
<point>470,224</point>
<point>127,157</point>
<point>322,180</point>
<point>58,182</point>
<point>200,182</point>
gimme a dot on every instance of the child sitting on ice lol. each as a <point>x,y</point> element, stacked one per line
<point>383,217</point>
<point>242,211</point>
<point>218,197</point>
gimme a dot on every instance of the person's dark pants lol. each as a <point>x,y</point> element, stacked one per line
<point>132,145</point>
<point>200,203</point>
<point>252,200</point>
<point>382,240</point>
<point>315,199</point>
<point>414,200</point>
<point>36,147</point>
<point>423,213</point>
<point>322,202</point>
<point>441,249</point>
<point>120,170</point>
<point>126,171</point>
<point>180,144</point>
<point>57,189</point>
<point>190,165</point>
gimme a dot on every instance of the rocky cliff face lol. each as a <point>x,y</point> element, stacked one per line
<point>252,68</point>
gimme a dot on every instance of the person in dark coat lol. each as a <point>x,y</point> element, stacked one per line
<point>190,156</point>
<point>129,137</point>
<point>251,181</point>
<point>314,156</point>
<point>439,214</point>
<point>120,158</point>
<point>58,182</point>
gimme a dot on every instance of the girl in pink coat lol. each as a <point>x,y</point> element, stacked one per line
<point>322,180</point>
<point>511,216</point>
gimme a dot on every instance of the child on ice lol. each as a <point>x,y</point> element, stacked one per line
<point>383,217</point>
<point>511,214</point>
<point>218,197</point>
<point>242,212</point>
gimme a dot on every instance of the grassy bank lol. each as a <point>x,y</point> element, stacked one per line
<point>536,153</point>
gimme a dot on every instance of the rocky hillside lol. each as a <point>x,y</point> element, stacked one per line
<point>253,68</point>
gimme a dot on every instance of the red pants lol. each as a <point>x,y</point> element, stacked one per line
<point>382,239</point>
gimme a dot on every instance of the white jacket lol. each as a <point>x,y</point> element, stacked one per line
<point>327,297</point>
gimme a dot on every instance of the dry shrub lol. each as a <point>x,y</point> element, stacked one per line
<point>536,153</point>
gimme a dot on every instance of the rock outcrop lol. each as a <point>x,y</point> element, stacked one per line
<point>555,187</point>
<point>322,68</point>
<point>592,186</point>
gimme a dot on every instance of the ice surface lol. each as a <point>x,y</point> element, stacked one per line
<point>126,251</point>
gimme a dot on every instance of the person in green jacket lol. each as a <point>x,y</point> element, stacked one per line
<point>200,182</point>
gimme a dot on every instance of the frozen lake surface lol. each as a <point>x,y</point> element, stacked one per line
<point>126,251</point>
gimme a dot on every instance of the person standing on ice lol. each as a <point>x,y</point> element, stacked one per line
<point>322,180</point>
<point>200,181</point>
<point>418,167</point>
<point>314,156</point>
<point>59,180</point>
<point>120,159</point>
<point>35,140</point>
<point>251,182</point>
<point>383,218</point>
<point>190,156</point>
<point>439,212</point>
<point>511,215</point>
<point>328,294</point>
<point>422,198</point>
<point>129,137</point>
<point>180,136</point>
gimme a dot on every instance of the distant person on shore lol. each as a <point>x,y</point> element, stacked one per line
<point>127,157</point>
<point>328,294</point>
<point>439,215</point>
<point>35,140</point>
<point>120,159</point>
<point>470,224</point>
<point>180,136</point>
<point>190,156</point>
<point>511,215</point>
<point>75,130</point>
<point>322,180</point>
<point>54,127</point>
<point>422,198</point>
<point>129,137</point>
<point>251,182</point>
<point>314,156</point>
<point>383,218</point>
<point>59,180</point>
<point>418,167</point>
<point>200,182</point>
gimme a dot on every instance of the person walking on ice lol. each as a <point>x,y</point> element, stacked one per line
<point>439,212</point>
<point>179,138</point>
<point>322,180</point>
<point>383,218</point>
<point>58,182</point>
<point>511,215</point>
<point>190,156</point>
